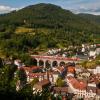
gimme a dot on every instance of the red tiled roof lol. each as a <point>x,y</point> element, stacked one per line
<point>97,44</point>
<point>61,89</point>
<point>35,67</point>
<point>31,68</point>
<point>26,68</point>
<point>76,84</point>
<point>36,74</point>
<point>71,69</point>
<point>61,69</point>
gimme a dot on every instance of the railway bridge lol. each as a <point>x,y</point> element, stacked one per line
<point>53,60</point>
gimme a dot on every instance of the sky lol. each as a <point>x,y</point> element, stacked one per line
<point>76,6</point>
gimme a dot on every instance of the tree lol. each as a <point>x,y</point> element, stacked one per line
<point>26,93</point>
<point>35,80</point>
<point>22,76</point>
<point>1,63</point>
<point>91,64</point>
<point>97,62</point>
<point>7,86</point>
<point>28,61</point>
<point>84,64</point>
<point>60,82</point>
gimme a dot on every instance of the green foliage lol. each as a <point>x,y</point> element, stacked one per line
<point>35,80</point>
<point>91,17</point>
<point>26,59</point>
<point>60,82</point>
<point>22,76</point>
<point>26,93</point>
<point>98,57</point>
<point>1,63</point>
<point>58,28</point>
<point>91,64</point>
<point>37,16</point>
<point>7,85</point>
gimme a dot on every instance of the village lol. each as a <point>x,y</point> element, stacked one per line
<point>63,76</point>
<point>49,49</point>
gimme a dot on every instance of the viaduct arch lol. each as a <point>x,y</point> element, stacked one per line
<point>52,61</point>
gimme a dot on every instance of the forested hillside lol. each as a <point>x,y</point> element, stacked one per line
<point>94,18</point>
<point>44,26</point>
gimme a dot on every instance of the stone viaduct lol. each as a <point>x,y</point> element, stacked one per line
<point>53,60</point>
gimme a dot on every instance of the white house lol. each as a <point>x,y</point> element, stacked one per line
<point>92,54</point>
<point>18,63</point>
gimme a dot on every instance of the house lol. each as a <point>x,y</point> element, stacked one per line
<point>82,89</point>
<point>98,49</point>
<point>94,78</point>
<point>78,69</point>
<point>32,69</point>
<point>71,69</point>
<point>63,91</point>
<point>76,85</point>
<point>91,91</point>
<point>55,74</point>
<point>31,76</point>
<point>41,76</point>
<point>70,74</point>
<point>96,70</point>
<point>42,84</point>
<point>58,69</point>
<point>18,62</point>
<point>60,90</point>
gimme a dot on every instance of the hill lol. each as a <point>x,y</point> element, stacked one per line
<point>90,17</point>
<point>52,27</point>
<point>49,16</point>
